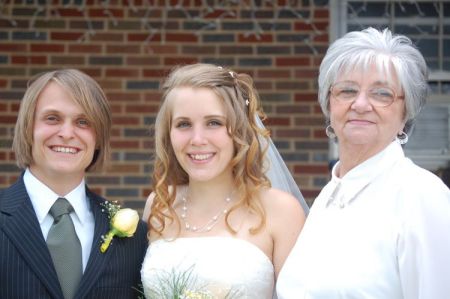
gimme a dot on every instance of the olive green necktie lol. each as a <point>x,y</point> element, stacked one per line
<point>65,248</point>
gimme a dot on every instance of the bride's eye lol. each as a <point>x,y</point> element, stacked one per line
<point>214,123</point>
<point>182,124</point>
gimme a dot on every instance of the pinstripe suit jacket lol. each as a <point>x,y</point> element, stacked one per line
<point>26,267</point>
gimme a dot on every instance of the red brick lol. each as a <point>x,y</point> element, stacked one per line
<point>7,119</point>
<point>108,37</point>
<point>179,60</point>
<point>4,23</point>
<point>110,84</point>
<point>141,108</point>
<point>125,168</point>
<point>122,96</point>
<point>292,61</point>
<point>152,97</point>
<point>116,109</point>
<point>317,109</point>
<point>321,38</point>
<point>156,73</point>
<point>264,85</point>
<point>3,83</point>
<point>148,144</point>
<point>306,97</point>
<point>2,156</point>
<point>294,109</point>
<point>125,120</point>
<point>116,132</point>
<point>181,37</point>
<point>321,13</point>
<point>47,48</point>
<point>85,48</point>
<point>66,36</point>
<point>70,12</point>
<point>143,61</point>
<point>128,73</point>
<point>107,13</point>
<point>278,121</point>
<point>222,13</point>
<point>311,169</point>
<point>120,49</point>
<point>274,73</point>
<point>252,38</point>
<point>67,60</point>
<point>308,73</point>
<point>3,107</point>
<point>320,133</point>
<point>11,156</point>
<point>309,121</point>
<point>142,37</point>
<point>302,26</point>
<point>161,49</point>
<point>29,59</point>
<point>94,73</point>
<point>125,144</point>
<point>12,47</point>
<point>14,107</point>
<point>293,133</point>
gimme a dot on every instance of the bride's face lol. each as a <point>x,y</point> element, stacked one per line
<point>199,135</point>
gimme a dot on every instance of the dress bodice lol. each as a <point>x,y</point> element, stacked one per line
<point>221,267</point>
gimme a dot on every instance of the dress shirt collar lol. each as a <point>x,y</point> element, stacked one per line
<point>357,179</point>
<point>42,198</point>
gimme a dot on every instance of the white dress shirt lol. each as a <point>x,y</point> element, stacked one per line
<point>381,231</point>
<point>43,198</point>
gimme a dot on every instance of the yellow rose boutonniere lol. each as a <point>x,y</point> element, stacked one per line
<point>123,223</point>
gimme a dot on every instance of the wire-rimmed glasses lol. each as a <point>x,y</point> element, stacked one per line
<point>379,95</point>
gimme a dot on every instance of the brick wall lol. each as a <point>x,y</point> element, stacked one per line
<point>128,47</point>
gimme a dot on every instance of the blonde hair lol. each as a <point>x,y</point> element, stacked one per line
<point>242,106</point>
<point>85,92</point>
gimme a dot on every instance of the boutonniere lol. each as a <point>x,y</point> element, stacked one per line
<point>122,223</point>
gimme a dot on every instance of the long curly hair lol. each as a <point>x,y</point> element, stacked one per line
<point>242,107</point>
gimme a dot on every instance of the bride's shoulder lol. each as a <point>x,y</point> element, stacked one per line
<point>277,198</point>
<point>280,203</point>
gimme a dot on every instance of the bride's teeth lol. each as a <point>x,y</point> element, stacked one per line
<point>201,157</point>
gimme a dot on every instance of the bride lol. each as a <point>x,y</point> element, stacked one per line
<point>217,228</point>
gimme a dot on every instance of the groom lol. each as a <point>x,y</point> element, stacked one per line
<point>63,131</point>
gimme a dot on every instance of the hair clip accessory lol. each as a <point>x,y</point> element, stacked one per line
<point>232,74</point>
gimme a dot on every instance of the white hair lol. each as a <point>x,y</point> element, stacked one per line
<point>362,49</point>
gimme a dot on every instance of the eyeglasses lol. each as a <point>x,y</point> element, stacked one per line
<point>379,95</point>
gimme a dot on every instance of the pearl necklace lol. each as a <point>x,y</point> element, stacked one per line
<point>209,225</point>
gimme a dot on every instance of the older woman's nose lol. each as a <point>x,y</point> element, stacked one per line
<point>362,102</point>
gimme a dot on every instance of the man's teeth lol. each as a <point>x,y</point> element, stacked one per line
<point>65,149</point>
<point>201,157</point>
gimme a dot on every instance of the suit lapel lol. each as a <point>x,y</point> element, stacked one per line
<point>20,224</point>
<point>97,260</point>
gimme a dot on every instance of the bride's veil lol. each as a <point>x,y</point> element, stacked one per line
<point>278,173</point>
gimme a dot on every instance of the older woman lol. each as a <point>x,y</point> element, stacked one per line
<point>381,227</point>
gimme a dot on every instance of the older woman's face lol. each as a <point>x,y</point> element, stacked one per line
<point>362,121</point>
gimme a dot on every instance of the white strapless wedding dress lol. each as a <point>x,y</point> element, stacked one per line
<point>220,267</point>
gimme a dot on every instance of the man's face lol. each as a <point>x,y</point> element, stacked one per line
<point>63,139</point>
